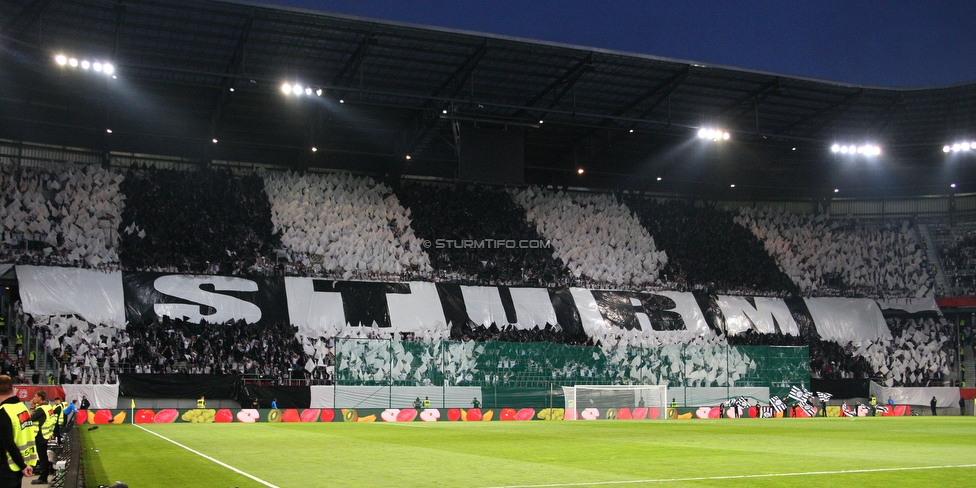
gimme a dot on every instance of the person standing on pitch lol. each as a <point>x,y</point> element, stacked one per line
<point>962,406</point>
<point>874,405</point>
<point>202,402</point>
<point>426,403</point>
<point>933,403</point>
<point>42,417</point>
<point>16,437</point>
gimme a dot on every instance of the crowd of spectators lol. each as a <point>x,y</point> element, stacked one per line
<point>207,221</point>
<point>170,346</point>
<point>343,226</point>
<point>704,246</point>
<point>957,247</point>
<point>595,236</point>
<point>826,256</point>
<point>61,214</point>
<point>464,224</point>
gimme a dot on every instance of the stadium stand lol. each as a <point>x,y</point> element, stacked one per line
<point>61,215</point>
<point>343,226</point>
<point>599,239</point>
<point>706,248</point>
<point>478,213</point>
<point>957,248</point>
<point>842,257</point>
<point>201,222</point>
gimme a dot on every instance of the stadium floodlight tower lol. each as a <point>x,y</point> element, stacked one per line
<point>592,402</point>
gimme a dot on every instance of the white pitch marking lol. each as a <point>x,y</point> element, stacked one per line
<point>198,453</point>
<point>742,476</point>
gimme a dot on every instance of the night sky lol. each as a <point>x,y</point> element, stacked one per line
<point>893,43</point>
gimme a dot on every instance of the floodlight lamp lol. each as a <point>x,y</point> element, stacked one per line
<point>231,88</point>
<point>297,89</point>
<point>965,146</point>
<point>540,122</point>
<point>732,185</point>
<point>108,131</point>
<point>946,149</point>
<point>342,101</point>
<point>61,59</point>
<point>952,185</point>
<point>702,133</point>
<point>308,91</point>
<point>97,66</point>
<point>214,141</point>
<point>580,171</point>
<point>631,131</point>
<point>318,92</point>
<point>315,149</point>
<point>835,148</point>
<point>443,111</point>
<point>408,157</point>
<point>836,190</point>
<point>843,149</point>
<point>73,63</point>
<point>658,178</point>
<point>286,88</point>
<point>85,64</point>
<point>725,135</point>
<point>108,69</point>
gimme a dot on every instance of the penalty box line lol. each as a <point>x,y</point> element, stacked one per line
<point>198,453</point>
<point>742,476</point>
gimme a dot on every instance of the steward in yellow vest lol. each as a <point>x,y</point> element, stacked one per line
<point>17,435</point>
<point>44,427</point>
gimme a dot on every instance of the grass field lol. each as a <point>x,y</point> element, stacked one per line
<point>904,451</point>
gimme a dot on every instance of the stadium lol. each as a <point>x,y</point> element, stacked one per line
<point>372,253</point>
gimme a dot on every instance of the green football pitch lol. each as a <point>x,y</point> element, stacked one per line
<point>884,452</point>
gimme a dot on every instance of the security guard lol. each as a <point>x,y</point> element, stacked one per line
<point>426,403</point>
<point>44,417</point>
<point>202,402</point>
<point>58,411</point>
<point>16,437</point>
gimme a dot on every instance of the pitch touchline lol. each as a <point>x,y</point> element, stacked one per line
<point>741,476</point>
<point>198,453</point>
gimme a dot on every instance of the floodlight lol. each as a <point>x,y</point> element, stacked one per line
<point>314,149</point>
<point>214,141</point>
<point>952,185</point>
<point>286,88</point>
<point>408,157</point>
<point>108,130</point>
<point>580,171</point>
<point>73,63</point>
<point>732,185</point>
<point>725,136</point>
<point>231,88</point>
<point>108,69</point>
<point>61,59</point>
<point>946,149</point>
<point>540,122</point>
<point>631,131</point>
<point>97,66</point>
<point>342,101</point>
<point>702,133</point>
<point>308,91</point>
<point>318,92</point>
<point>965,146</point>
<point>836,190</point>
<point>85,64</point>
<point>658,178</point>
<point>835,148</point>
<point>297,89</point>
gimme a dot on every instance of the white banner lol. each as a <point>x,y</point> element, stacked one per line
<point>910,305</point>
<point>100,396</point>
<point>395,397</point>
<point>844,320</point>
<point>94,295</point>
<point>921,397</point>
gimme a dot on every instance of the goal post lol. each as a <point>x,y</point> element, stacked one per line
<point>625,402</point>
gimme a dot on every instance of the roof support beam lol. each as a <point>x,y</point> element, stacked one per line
<point>739,108</point>
<point>826,113</point>
<point>235,66</point>
<point>25,19</point>
<point>566,80</point>
<point>347,75</point>
<point>428,123</point>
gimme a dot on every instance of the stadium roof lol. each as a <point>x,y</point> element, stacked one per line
<point>190,72</point>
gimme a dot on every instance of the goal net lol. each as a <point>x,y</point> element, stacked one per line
<point>592,402</point>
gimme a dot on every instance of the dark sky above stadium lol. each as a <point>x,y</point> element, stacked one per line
<point>894,43</point>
